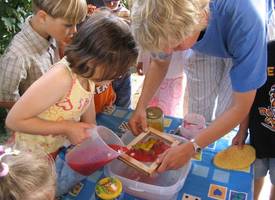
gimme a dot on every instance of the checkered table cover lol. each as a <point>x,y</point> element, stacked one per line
<point>204,180</point>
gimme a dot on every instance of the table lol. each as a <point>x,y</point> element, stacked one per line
<point>204,180</point>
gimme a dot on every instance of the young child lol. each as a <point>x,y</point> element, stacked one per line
<point>169,96</point>
<point>104,95</point>
<point>102,50</point>
<point>261,126</point>
<point>26,175</point>
<point>34,49</point>
<point>117,8</point>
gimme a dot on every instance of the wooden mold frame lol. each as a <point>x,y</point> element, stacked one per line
<point>146,168</point>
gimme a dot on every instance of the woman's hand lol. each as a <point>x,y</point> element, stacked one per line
<point>175,157</point>
<point>138,122</point>
<point>77,132</point>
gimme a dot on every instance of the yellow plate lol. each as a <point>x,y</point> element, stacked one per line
<point>235,158</point>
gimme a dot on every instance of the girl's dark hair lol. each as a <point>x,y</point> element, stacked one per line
<point>103,40</point>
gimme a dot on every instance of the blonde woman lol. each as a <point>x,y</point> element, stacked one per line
<point>225,28</point>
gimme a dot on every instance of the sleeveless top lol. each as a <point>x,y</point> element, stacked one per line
<point>70,107</point>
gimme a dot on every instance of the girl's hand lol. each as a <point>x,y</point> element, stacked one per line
<point>77,132</point>
<point>239,139</point>
<point>175,157</point>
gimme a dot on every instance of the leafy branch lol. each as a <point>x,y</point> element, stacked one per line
<point>12,15</point>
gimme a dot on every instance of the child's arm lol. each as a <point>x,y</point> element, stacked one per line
<point>177,156</point>
<point>46,91</point>
<point>12,70</point>
<point>240,137</point>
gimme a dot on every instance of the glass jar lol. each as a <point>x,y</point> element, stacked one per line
<point>155,118</point>
<point>109,188</point>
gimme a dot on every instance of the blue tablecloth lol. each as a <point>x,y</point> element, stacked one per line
<point>204,180</point>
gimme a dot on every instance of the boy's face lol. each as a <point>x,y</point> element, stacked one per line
<point>112,4</point>
<point>60,29</point>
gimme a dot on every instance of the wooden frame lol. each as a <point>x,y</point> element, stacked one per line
<point>140,166</point>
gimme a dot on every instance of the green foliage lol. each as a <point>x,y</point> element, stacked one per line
<point>125,3</point>
<point>12,15</point>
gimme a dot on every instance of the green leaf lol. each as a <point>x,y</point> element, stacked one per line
<point>12,15</point>
<point>9,23</point>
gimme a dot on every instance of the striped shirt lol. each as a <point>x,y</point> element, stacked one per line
<point>27,57</point>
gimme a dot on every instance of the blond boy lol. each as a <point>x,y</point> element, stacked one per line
<point>34,49</point>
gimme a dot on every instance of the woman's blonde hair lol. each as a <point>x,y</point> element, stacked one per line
<point>74,11</point>
<point>156,24</point>
<point>31,176</point>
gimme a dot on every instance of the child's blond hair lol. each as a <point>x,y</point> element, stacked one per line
<point>31,176</point>
<point>72,10</point>
<point>160,24</point>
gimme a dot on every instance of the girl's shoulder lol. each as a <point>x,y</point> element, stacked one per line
<point>62,63</point>
<point>59,73</point>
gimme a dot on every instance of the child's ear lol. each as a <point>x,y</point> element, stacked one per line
<point>42,16</point>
